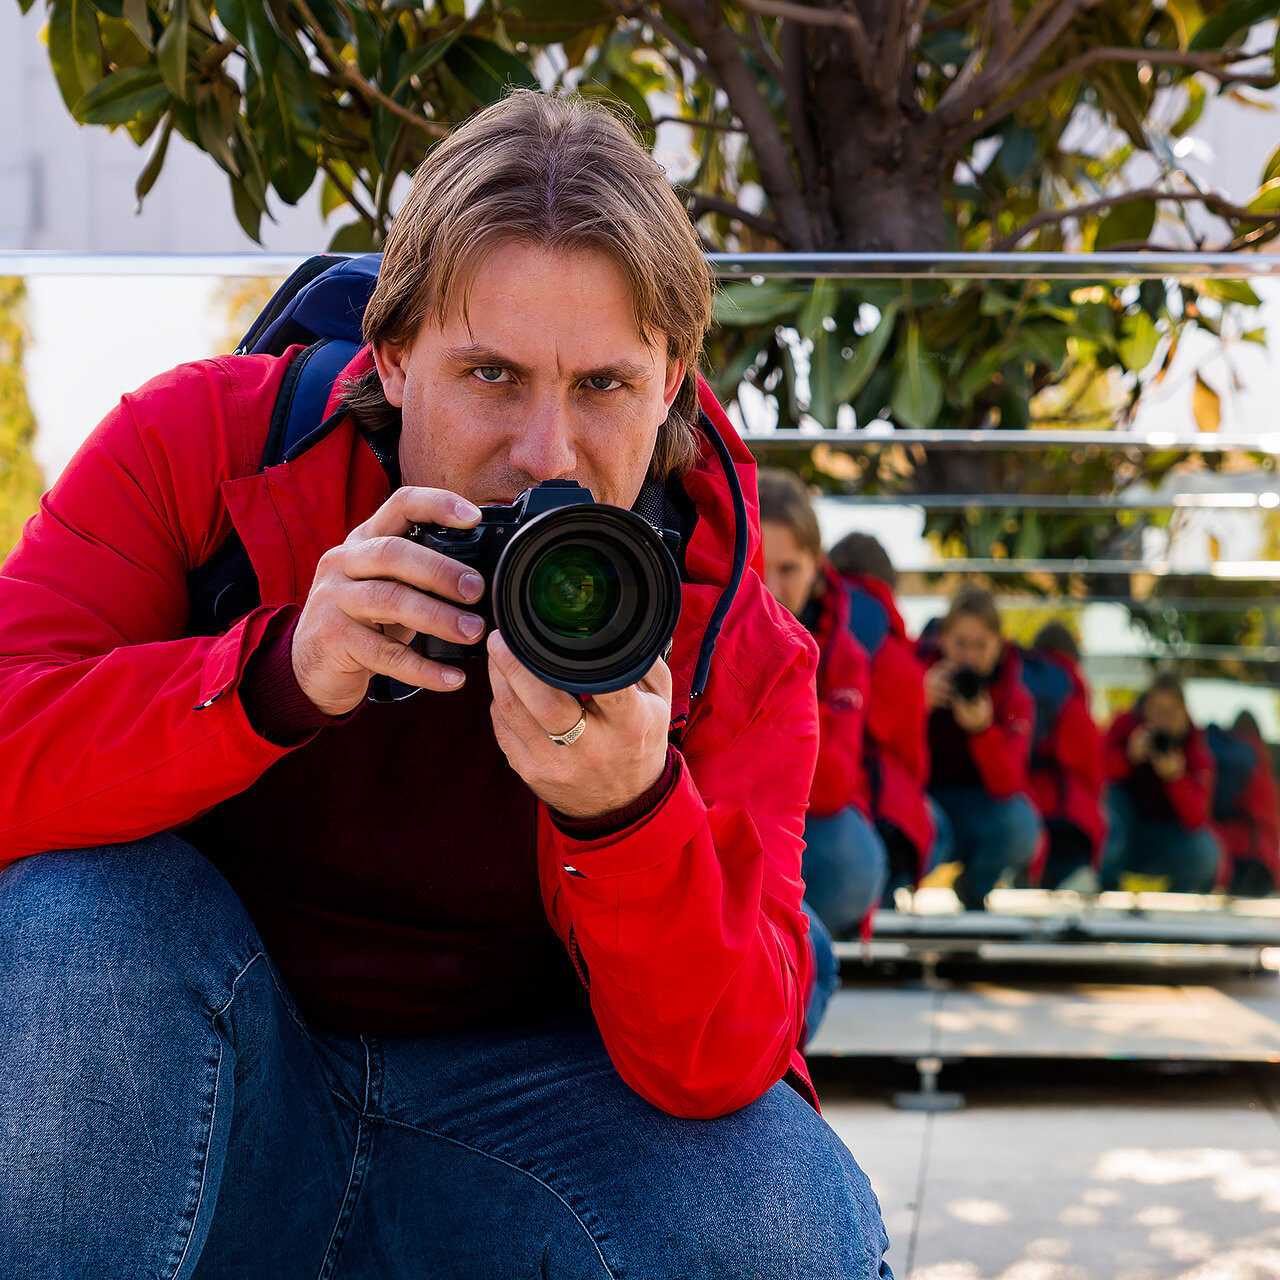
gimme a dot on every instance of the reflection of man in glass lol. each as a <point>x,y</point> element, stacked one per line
<point>417,990</point>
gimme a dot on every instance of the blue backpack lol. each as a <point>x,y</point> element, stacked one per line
<point>321,305</point>
<point>868,619</point>
<point>1235,762</point>
<point>1050,689</point>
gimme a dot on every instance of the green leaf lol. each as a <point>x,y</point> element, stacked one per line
<point>248,212</point>
<point>1220,30</point>
<point>171,52</point>
<point>1273,168</point>
<point>368,41</point>
<point>867,351</point>
<point>1196,99</point>
<point>816,309</point>
<point>415,62</point>
<point>980,374</point>
<point>132,94</point>
<point>75,51</point>
<point>1129,221</point>
<point>1267,199</point>
<point>743,303</point>
<point>354,237</point>
<point>917,393</point>
<point>1240,291</point>
<point>135,14</point>
<point>553,21</point>
<point>155,161</point>
<point>1138,341</point>
<point>212,133</point>
<point>485,69</point>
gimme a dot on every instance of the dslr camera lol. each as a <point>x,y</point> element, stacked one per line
<point>585,594</point>
<point>968,684</point>
<point>1162,742</point>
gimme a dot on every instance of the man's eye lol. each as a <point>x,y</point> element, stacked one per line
<point>609,384</point>
<point>491,373</point>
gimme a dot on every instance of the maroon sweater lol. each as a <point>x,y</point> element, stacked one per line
<point>390,862</point>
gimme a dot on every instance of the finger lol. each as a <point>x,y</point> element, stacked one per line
<point>383,655</point>
<point>518,721</point>
<point>399,558</point>
<point>553,710</point>
<point>655,681</point>
<point>411,505</point>
<point>382,603</point>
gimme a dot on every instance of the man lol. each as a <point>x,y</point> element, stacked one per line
<point>337,1025</point>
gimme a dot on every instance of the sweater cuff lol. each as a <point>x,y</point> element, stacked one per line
<point>611,824</point>
<point>273,699</point>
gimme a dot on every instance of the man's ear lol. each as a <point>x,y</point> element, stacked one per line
<point>675,377</point>
<point>392,365</point>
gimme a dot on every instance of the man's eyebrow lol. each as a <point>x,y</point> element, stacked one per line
<point>477,355</point>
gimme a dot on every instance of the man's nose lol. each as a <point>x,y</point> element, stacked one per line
<point>543,447</point>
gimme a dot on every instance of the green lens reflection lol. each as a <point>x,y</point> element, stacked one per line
<point>574,590</point>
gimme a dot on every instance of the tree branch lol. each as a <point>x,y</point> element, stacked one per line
<point>1214,203</point>
<point>693,122</point>
<point>847,20</point>
<point>1209,63</point>
<point>727,69</point>
<point>700,204</point>
<point>349,195</point>
<point>955,108</point>
<point>956,18</point>
<point>343,70</point>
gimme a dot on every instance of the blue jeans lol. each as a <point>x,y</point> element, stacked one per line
<point>166,1111</point>
<point>992,838</point>
<point>845,869</point>
<point>826,972</point>
<point>1188,860</point>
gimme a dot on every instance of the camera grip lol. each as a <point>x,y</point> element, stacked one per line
<point>444,650</point>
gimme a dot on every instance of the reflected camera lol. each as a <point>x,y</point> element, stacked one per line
<point>968,684</point>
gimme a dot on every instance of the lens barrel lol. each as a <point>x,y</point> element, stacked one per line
<point>587,597</point>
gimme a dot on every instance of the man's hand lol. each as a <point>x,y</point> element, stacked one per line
<point>975,715</point>
<point>619,756</point>
<point>1169,765</point>
<point>368,601</point>
<point>1138,748</point>
<point>938,686</point>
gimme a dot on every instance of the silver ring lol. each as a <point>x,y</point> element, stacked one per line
<point>570,736</point>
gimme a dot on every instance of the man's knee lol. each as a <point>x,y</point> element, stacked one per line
<point>154,909</point>
<point>1015,829</point>
<point>797,1206</point>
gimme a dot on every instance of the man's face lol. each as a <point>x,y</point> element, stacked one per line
<point>549,380</point>
<point>967,642</point>
<point>789,569</point>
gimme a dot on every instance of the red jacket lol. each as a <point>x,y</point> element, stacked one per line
<point>113,726</point>
<point>1001,754</point>
<point>1186,801</point>
<point>1252,828</point>
<point>897,738</point>
<point>844,683</point>
<point>1068,771</point>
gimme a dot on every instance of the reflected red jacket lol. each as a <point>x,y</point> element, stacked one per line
<point>1068,769</point>
<point>1252,829</point>
<point>998,759</point>
<point>1186,801</point>
<point>896,751</point>
<point>114,725</point>
<point>844,681</point>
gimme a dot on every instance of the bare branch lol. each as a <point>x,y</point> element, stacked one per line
<point>728,70</point>
<point>700,204</point>
<point>350,77</point>
<point>956,18</point>
<point>675,39</point>
<point>693,123</point>
<point>1213,202</point>
<point>847,20</point>
<point>349,195</point>
<point>953,109</point>
<point>764,48</point>
<point>1209,63</point>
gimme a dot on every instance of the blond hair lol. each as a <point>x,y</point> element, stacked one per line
<point>561,174</point>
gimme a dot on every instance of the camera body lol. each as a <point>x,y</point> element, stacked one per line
<point>481,548</point>
<point>1162,742</point>
<point>586,595</point>
<point>968,684</point>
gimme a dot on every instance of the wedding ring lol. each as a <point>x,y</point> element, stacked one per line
<point>570,736</point>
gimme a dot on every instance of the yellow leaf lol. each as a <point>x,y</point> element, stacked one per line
<point>1206,405</point>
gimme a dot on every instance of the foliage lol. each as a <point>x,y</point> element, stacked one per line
<point>20,480</point>
<point>861,125</point>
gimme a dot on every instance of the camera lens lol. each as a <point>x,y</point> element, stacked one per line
<point>574,590</point>
<point>587,597</point>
